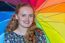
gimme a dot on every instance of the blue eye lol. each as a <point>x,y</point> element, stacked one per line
<point>23,15</point>
<point>31,15</point>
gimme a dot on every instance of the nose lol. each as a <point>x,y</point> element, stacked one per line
<point>27,18</point>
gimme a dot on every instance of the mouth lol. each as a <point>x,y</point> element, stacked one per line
<point>26,22</point>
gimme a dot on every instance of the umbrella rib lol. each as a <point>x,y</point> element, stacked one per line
<point>42,5</point>
<point>5,20</point>
<point>9,5</point>
<point>53,28</point>
<point>53,21</point>
<point>16,1</point>
<point>50,21</point>
<point>54,15</point>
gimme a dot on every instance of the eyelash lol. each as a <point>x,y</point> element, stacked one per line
<point>29,15</point>
<point>23,15</point>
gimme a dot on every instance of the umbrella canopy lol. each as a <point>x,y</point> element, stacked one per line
<point>6,6</point>
<point>6,12</point>
<point>50,17</point>
<point>34,3</point>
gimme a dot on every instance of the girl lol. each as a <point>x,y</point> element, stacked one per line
<point>22,28</point>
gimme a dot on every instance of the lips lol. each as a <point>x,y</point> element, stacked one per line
<point>26,22</point>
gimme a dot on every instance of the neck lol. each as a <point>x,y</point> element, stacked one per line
<point>21,30</point>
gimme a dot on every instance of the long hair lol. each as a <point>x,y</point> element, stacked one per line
<point>14,24</point>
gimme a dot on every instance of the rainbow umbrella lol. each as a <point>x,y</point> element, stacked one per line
<point>50,17</point>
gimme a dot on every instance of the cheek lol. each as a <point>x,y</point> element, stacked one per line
<point>21,18</point>
<point>31,19</point>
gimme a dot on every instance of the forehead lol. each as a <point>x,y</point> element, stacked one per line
<point>26,9</point>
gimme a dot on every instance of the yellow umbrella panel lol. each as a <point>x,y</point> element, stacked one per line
<point>53,24</point>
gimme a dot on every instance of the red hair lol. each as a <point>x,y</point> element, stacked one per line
<point>14,23</point>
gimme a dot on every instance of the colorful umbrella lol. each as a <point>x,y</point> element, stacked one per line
<point>50,17</point>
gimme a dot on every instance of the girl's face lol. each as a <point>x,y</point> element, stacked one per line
<point>25,16</point>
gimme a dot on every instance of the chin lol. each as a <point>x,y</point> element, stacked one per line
<point>26,26</point>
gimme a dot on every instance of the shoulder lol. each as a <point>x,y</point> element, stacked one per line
<point>40,35</point>
<point>9,36</point>
<point>39,31</point>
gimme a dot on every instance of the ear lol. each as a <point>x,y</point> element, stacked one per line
<point>16,16</point>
